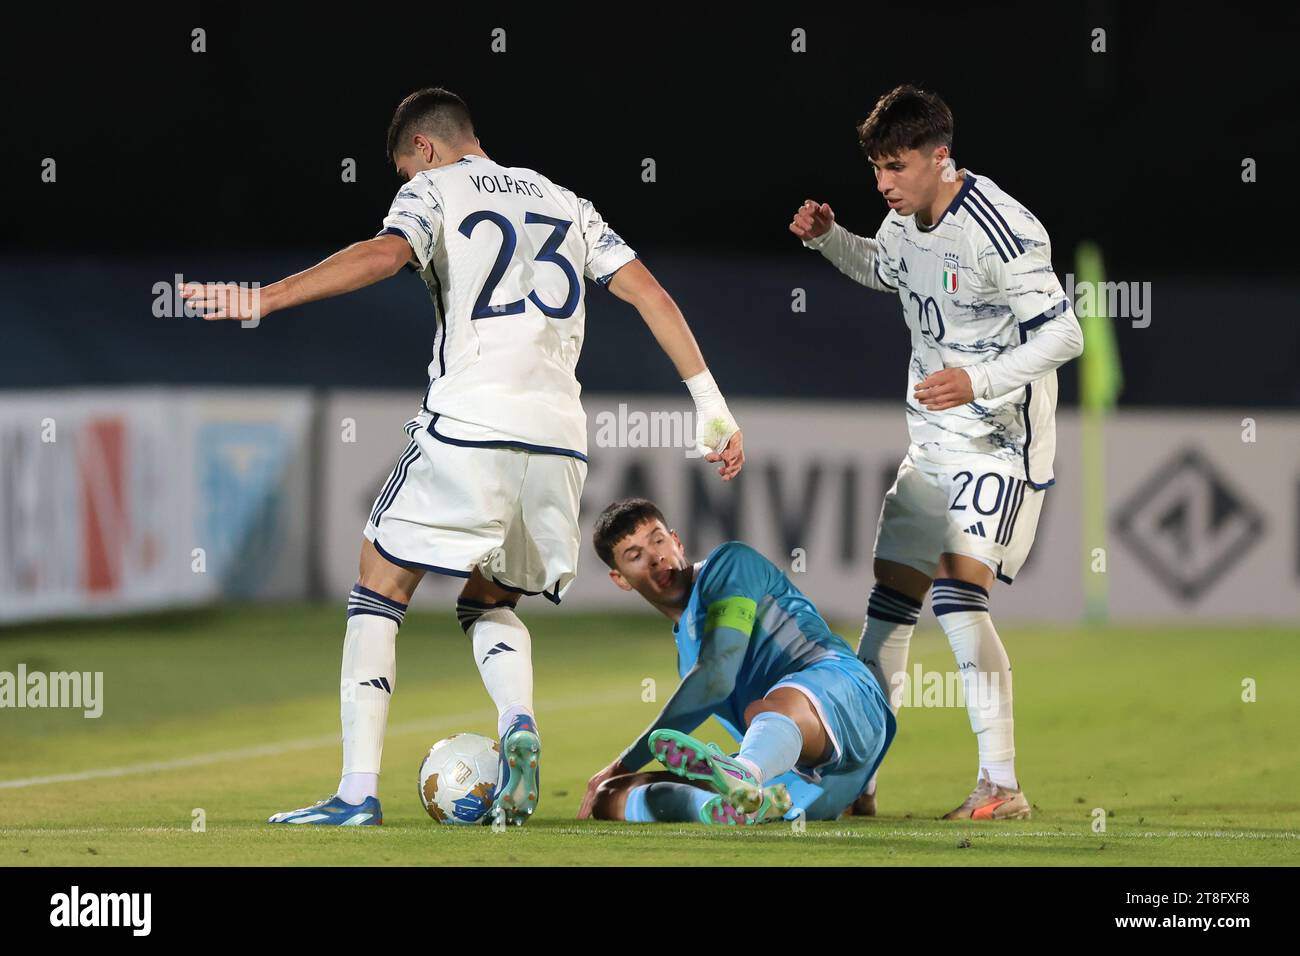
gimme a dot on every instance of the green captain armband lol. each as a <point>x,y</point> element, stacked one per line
<point>736,613</point>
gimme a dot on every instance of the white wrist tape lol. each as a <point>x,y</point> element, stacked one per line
<point>714,424</point>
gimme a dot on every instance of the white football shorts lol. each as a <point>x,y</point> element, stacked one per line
<point>450,508</point>
<point>970,509</point>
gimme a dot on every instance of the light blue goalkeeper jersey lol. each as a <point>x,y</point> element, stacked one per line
<point>745,629</point>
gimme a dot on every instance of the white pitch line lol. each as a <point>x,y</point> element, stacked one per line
<point>871,832</point>
<point>1065,835</point>
<point>290,746</point>
<point>86,831</point>
<point>663,831</point>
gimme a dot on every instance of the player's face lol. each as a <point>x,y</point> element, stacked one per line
<point>909,180</point>
<point>652,562</point>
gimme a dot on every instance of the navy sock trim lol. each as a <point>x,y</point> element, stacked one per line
<point>468,612</point>
<point>886,604</point>
<point>951,596</point>
<point>382,598</point>
<point>553,596</point>
<point>960,585</point>
<point>365,601</point>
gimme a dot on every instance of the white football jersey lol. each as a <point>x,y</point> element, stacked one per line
<point>973,285</point>
<point>503,251</point>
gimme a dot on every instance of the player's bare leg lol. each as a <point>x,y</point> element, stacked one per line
<point>660,797</point>
<point>961,603</point>
<point>794,704</point>
<point>891,617</point>
<point>368,677</point>
<point>383,576</point>
<point>503,650</point>
<point>612,795</point>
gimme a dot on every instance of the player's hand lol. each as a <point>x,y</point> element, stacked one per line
<point>944,389</point>
<point>732,457</point>
<point>226,300</point>
<point>812,219</point>
<point>717,433</point>
<point>589,798</point>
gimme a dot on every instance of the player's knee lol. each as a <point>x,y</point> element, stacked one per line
<point>478,597</point>
<point>783,700</point>
<point>608,804</point>
<point>469,610</point>
<point>386,587</point>
<point>479,588</point>
<point>901,578</point>
<point>376,573</point>
<point>962,567</point>
<point>755,708</point>
<point>367,562</point>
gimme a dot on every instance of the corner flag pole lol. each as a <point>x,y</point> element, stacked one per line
<point>1100,382</point>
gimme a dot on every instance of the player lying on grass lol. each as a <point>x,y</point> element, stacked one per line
<point>753,652</point>
<point>488,486</point>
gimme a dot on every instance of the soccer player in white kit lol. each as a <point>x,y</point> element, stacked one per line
<point>488,486</point>
<point>989,325</point>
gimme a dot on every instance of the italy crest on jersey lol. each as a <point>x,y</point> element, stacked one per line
<point>950,273</point>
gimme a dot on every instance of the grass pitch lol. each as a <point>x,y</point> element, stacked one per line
<point>234,712</point>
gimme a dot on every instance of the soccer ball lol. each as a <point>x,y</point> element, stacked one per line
<point>457,778</point>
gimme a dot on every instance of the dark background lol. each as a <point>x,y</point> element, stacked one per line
<point>226,165</point>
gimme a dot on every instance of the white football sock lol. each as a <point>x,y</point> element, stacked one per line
<point>886,636</point>
<point>507,717</point>
<point>962,610</point>
<point>355,787</point>
<point>1001,772</point>
<point>367,680</point>
<point>503,650</point>
<point>771,746</point>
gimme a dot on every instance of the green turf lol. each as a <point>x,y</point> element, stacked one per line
<point>1146,723</point>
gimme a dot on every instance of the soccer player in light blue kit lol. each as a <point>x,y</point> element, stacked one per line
<point>752,651</point>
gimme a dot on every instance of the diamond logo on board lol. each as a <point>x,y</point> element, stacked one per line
<point>1189,525</point>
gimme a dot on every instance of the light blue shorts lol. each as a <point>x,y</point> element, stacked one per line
<point>858,721</point>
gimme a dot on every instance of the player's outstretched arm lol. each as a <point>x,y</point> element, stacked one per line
<point>702,691</point>
<point>856,256</point>
<point>715,428</point>
<point>359,265</point>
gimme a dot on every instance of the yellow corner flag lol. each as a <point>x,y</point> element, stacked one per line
<point>1100,381</point>
<point>1100,375</point>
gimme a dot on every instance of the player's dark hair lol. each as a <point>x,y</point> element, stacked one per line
<point>619,520</point>
<point>905,118</point>
<point>435,112</point>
